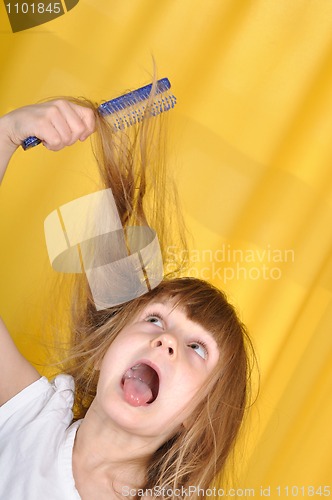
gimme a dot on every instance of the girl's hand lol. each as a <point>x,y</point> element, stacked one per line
<point>57,123</point>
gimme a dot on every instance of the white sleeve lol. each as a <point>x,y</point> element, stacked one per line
<point>36,401</point>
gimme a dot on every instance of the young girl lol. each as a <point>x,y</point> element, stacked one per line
<point>158,385</point>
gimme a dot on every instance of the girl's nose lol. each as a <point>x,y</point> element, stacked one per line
<point>167,343</point>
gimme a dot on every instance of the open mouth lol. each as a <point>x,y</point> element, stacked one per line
<point>140,384</point>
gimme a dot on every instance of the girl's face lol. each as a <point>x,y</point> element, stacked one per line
<point>153,369</point>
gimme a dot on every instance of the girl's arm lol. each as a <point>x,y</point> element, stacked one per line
<point>7,149</point>
<point>58,124</point>
<point>16,372</point>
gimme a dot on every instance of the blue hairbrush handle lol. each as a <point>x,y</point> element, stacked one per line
<point>30,142</point>
<point>129,108</point>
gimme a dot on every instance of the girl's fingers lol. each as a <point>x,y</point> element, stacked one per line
<point>57,123</point>
<point>70,123</point>
<point>88,117</point>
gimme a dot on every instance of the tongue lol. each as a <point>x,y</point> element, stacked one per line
<point>136,392</point>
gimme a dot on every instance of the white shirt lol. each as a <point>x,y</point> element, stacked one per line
<point>36,442</point>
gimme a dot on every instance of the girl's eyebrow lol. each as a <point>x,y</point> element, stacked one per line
<point>148,309</point>
<point>163,303</point>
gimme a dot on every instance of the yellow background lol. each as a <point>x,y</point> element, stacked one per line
<point>251,148</point>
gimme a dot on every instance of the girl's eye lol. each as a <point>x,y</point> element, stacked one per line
<point>155,320</point>
<point>199,348</point>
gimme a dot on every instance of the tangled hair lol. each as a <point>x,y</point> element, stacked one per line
<point>130,165</point>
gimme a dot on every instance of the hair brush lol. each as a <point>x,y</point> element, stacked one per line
<point>128,109</point>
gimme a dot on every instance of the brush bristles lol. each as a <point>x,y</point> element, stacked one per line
<point>131,108</point>
<point>136,113</point>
